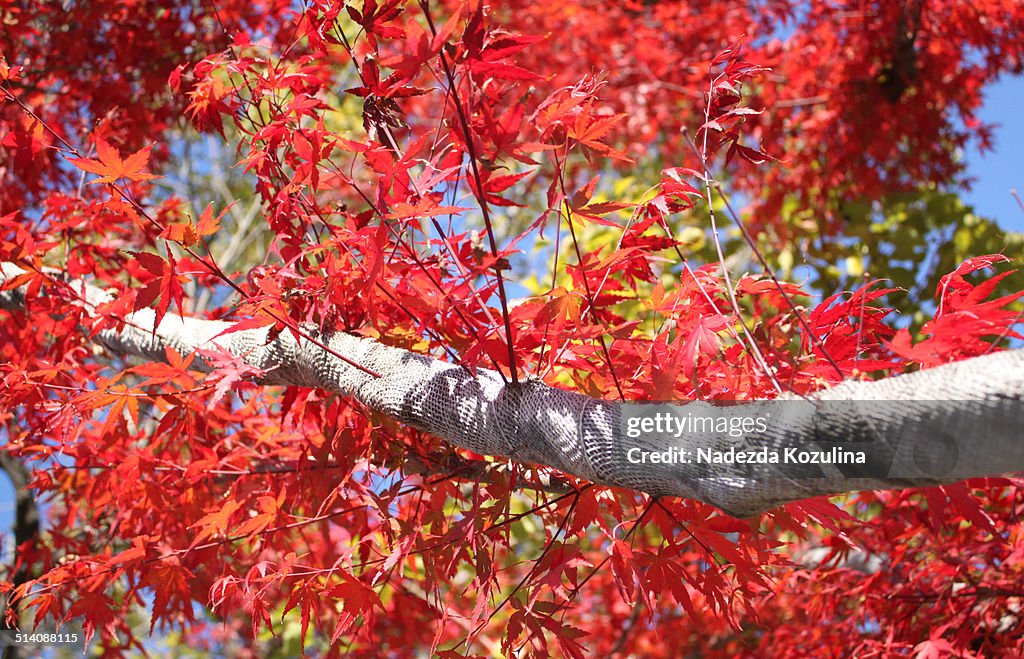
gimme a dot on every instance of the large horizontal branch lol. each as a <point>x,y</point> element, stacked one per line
<point>979,406</point>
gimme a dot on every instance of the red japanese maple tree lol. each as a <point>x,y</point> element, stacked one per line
<point>305,308</point>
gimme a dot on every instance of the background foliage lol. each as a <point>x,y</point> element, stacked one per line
<point>609,196</point>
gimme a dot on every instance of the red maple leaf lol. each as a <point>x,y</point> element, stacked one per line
<point>111,166</point>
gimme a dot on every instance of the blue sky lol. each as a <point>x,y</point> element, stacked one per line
<point>1000,171</point>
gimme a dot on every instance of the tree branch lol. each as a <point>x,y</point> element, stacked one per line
<point>975,404</point>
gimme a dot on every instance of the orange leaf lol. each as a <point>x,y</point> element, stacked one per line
<point>183,233</point>
<point>208,224</point>
<point>112,167</point>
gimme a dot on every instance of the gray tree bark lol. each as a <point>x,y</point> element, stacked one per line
<point>957,421</point>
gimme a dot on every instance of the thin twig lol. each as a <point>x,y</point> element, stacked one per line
<point>481,198</point>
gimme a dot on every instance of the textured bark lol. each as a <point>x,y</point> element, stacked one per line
<point>580,435</point>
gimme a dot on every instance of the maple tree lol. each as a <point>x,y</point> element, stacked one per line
<point>360,246</point>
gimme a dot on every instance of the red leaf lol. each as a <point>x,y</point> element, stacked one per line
<point>112,167</point>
